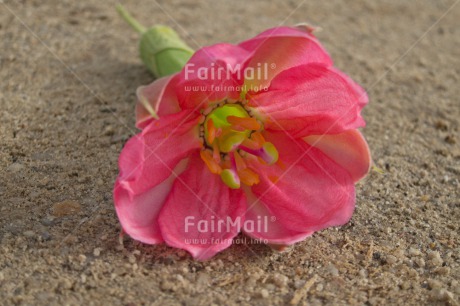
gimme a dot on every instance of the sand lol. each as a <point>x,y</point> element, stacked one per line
<point>68,77</point>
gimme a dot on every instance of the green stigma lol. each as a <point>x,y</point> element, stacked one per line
<point>229,138</point>
<point>230,178</point>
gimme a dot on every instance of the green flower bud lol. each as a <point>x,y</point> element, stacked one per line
<point>161,49</point>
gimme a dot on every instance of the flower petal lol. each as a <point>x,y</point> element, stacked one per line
<point>348,149</point>
<point>281,48</point>
<point>149,157</point>
<point>212,74</point>
<point>160,97</point>
<point>311,99</point>
<point>306,190</point>
<point>138,213</point>
<point>199,199</point>
<point>269,230</point>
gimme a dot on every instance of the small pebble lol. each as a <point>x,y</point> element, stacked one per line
<point>29,234</point>
<point>97,252</point>
<point>405,285</point>
<point>434,254</point>
<point>109,131</point>
<point>434,284</point>
<point>166,285</point>
<point>66,208</point>
<point>203,279</point>
<point>391,259</point>
<point>442,295</point>
<point>450,139</point>
<point>82,258</point>
<point>425,198</point>
<point>414,252</point>
<point>264,293</point>
<point>412,273</point>
<point>280,280</point>
<point>16,167</point>
<point>251,281</point>
<point>419,262</point>
<point>299,283</point>
<point>46,236</point>
<point>131,259</point>
<point>435,259</point>
<point>180,278</point>
<point>319,287</point>
<point>332,270</point>
<point>442,271</point>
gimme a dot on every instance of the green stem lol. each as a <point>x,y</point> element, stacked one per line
<point>130,19</point>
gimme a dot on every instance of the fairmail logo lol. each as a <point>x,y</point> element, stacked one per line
<point>226,225</point>
<point>219,72</point>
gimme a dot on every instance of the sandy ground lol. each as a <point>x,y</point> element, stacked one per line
<point>69,70</point>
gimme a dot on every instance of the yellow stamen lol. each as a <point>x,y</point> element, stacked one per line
<point>241,124</point>
<point>251,144</point>
<point>257,137</point>
<point>208,159</point>
<point>248,177</point>
<point>216,152</point>
<point>211,131</point>
<point>239,161</point>
<point>226,164</point>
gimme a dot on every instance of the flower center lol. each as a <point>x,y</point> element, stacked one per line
<point>231,136</point>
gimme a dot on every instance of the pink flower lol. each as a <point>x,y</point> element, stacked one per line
<point>259,137</point>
